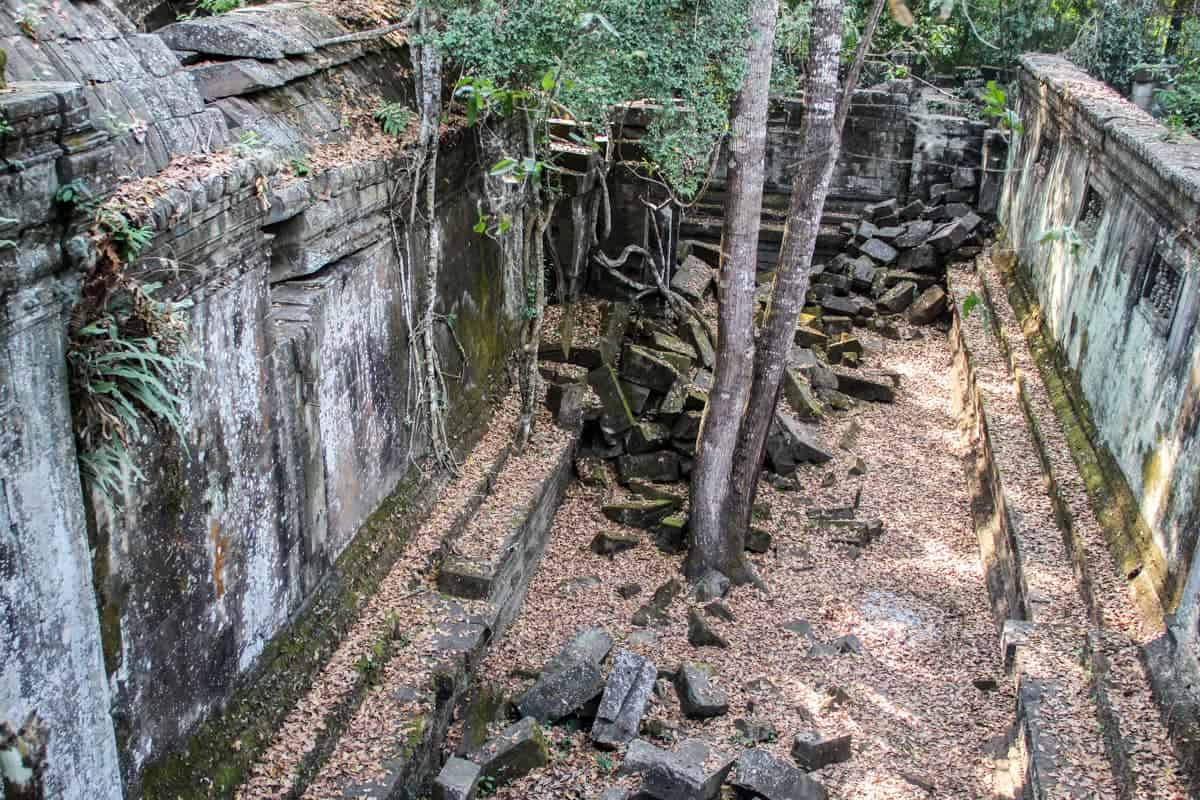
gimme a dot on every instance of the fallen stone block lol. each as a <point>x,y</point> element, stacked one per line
<point>928,307</point>
<point>693,772</point>
<point>800,396</point>
<point>912,211</point>
<point>515,752</point>
<point>458,780</point>
<point>812,752</point>
<point>624,701</point>
<point>569,680</point>
<point>843,346</point>
<point>879,250</point>
<point>609,544</point>
<point>791,442</point>
<point>758,540</point>
<point>698,698</point>
<point>899,297</point>
<point>878,210</point>
<point>701,634</point>
<point>565,401</point>
<point>693,278</point>
<point>760,775</point>
<point>915,234</point>
<point>865,386</point>
<point>947,238</point>
<point>650,368</point>
<point>661,467</point>
<point>670,535</point>
<point>646,437</point>
<point>923,258</point>
<point>655,611</point>
<point>841,306</point>
<point>640,513</point>
<point>618,417</point>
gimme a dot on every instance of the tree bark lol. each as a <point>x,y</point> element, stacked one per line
<point>715,544</point>
<point>821,133</point>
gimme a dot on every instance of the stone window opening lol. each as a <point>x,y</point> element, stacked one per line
<point>1091,214</point>
<point>1160,291</point>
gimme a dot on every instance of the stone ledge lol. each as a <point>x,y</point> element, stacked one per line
<point>503,579</point>
<point>1132,133</point>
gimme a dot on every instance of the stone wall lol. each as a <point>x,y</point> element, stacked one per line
<point>1101,206</point>
<point>142,613</point>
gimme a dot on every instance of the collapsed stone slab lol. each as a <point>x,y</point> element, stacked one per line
<point>693,772</point>
<point>569,680</point>
<point>812,752</point>
<point>698,698</point>
<point>458,780</point>
<point>761,775</point>
<point>791,443</point>
<point>624,701</point>
<point>515,752</point>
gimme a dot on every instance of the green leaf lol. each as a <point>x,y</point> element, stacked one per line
<point>548,81</point>
<point>504,166</point>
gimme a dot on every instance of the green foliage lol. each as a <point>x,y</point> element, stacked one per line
<point>970,303</point>
<point>494,226</point>
<point>394,117</point>
<point>300,167</point>
<point>216,7</point>
<point>604,762</point>
<point>129,240</point>
<point>995,107</point>
<point>1118,38</point>
<point>125,363</point>
<point>487,786</point>
<point>1179,101</point>
<point>75,194</point>
<point>5,126</point>
<point>589,58</point>
<point>249,142</point>
<point>1066,234</point>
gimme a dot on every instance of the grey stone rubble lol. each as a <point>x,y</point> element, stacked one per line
<point>570,679</point>
<point>758,774</point>
<point>515,752</point>
<point>630,683</point>
<point>812,751</point>
<point>698,698</point>
<point>458,780</point>
<point>693,771</point>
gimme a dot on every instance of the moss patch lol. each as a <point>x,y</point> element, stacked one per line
<point>1128,537</point>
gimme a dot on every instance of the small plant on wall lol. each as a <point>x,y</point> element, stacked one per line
<point>126,355</point>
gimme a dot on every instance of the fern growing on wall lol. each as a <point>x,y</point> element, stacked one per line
<point>126,356</point>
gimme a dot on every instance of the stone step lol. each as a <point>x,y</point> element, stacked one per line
<point>392,746</point>
<point>1062,752</point>
<point>1030,573</point>
<point>492,557</point>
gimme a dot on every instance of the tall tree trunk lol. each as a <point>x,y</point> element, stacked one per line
<point>715,544</point>
<point>821,135</point>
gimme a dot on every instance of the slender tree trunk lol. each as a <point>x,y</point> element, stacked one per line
<point>715,544</point>
<point>821,134</point>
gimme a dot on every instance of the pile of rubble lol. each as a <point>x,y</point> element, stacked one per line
<point>647,382</point>
<point>573,687</point>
